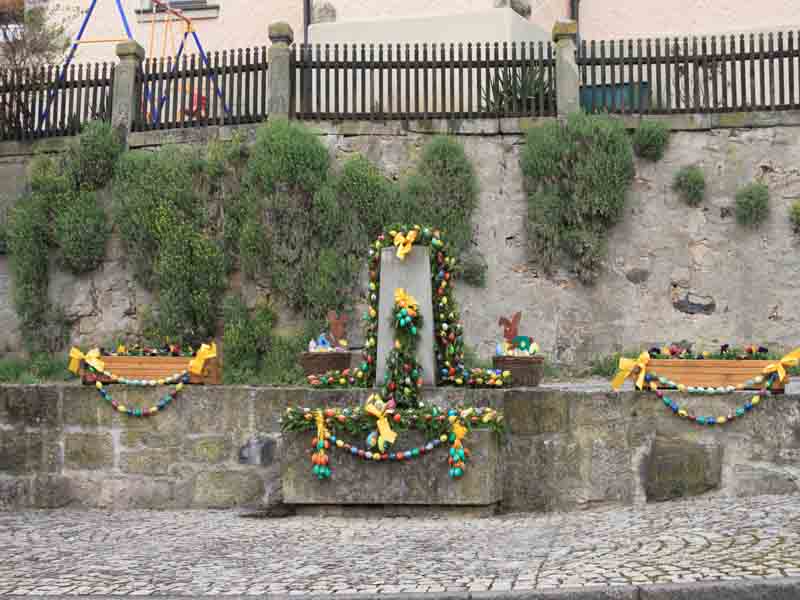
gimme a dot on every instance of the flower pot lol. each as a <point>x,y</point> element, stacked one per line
<point>526,371</point>
<point>712,373</point>
<point>317,363</point>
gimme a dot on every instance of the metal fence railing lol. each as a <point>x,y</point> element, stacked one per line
<point>231,88</point>
<point>697,75</point>
<point>49,102</point>
<point>421,81</point>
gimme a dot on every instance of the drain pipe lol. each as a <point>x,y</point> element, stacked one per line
<point>574,14</point>
<point>307,19</point>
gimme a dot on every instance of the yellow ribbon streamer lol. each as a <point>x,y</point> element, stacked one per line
<point>790,360</point>
<point>322,430</point>
<point>404,243</point>
<point>459,430</point>
<point>626,368</point>
<point>91,358</point>
<point>385,431</point>
<point>205,353</point>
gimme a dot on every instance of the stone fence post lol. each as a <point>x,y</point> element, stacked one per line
<point>127,95</point>
<point>568,82</point>
<point>281,36</point>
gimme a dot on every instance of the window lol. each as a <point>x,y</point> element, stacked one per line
<point>196,9</point>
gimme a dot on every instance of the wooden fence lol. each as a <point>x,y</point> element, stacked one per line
<point>422,81</point>
<point>691,75</point>
<point>233,88</point>
<point>37,103</point>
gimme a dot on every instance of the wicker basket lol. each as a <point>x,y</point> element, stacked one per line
<point>526,371</point>
<point>317,363</point>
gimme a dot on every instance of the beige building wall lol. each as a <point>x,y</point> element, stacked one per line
<point>242,23</point>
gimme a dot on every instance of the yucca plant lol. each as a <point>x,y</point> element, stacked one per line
<point>525,90</point>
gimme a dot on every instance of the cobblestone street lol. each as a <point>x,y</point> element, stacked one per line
<point>208,552</point>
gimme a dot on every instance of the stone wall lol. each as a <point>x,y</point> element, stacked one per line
<point>222,447</point>
<point>673,272</point>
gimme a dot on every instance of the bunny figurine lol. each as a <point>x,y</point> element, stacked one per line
<point>510,328</point>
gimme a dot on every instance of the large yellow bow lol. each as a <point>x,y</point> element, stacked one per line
<point>404,299</point>
<point>404,243</point>
<point>205,353</point>
<point>790,360</point>
<point>460,431</point>
<point>385,432</point>
<point>91,358</point>
<point>626,367</point>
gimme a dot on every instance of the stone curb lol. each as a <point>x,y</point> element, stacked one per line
<point>771,589</point>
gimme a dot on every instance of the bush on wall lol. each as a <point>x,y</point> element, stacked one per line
<point>579,173</point>
<point>752,204</point>
<point>650,140</point>
<point>690,183</point>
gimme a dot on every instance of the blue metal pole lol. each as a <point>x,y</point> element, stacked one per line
<point>213,75</point>
<point>124,20</point>
<point>163,99</point>
<point>46,111</point>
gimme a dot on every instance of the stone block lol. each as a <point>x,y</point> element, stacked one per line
<point>149,462</point>
<point>224,489</point>
<point>681,466</point>
<point>98,490</point>
<point>760,479</point>
<point>13,494</point>
<point>30,406</point>
<point>413,274</point>
<point>270,403</point>
<point>262,450</point>
<point>150,439</point>
<point>49,491</point>
<point>742,589</point>
<point>21,452</point>
<point>82,406</point>
<point>532,412</point>
<point>421,480</point>
<point>217,409</point>
<point>543,472</point>
<point>209,449</point>
<point>88,451</point>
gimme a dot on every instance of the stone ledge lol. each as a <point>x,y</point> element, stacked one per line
<point>420,481</point>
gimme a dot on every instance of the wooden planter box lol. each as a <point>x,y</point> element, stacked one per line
<point>153,367</point>
<point>712,373</point>
<point>318,363</point>
<point>526,371</point>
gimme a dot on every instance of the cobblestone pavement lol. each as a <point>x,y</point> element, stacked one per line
<point>208,552</point>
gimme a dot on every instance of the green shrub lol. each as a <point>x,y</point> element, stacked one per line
<point>153,191</point>
<point>49,177</point>
<point>81,233</point>
<point>473,269</point>
<point>794,216</point>
<point>690,184</point>
<point>287,157</point>
<point>650,140</point>
<point>91,160</point>
<point>578,174</point>
<point>3,239</point>
<point>40,368</point>
<point>28,248</point>
<point>246,337</point>
<point>191,275</point>
<point>752,204</point>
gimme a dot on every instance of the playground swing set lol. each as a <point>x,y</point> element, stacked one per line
<point>198,103</point>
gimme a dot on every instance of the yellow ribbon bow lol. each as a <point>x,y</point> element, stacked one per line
<point>460,431</point>
<point>405,299</point>
<point>790,360</point>
<point>385,432</point>
<point>91,358</point>
<point>205,353</point>
<point>404,243</point>
<point>626,367</point>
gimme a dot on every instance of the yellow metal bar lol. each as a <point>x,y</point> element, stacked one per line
<point>103,41</point>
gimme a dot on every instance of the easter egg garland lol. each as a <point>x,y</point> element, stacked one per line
<point>333,425</point>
